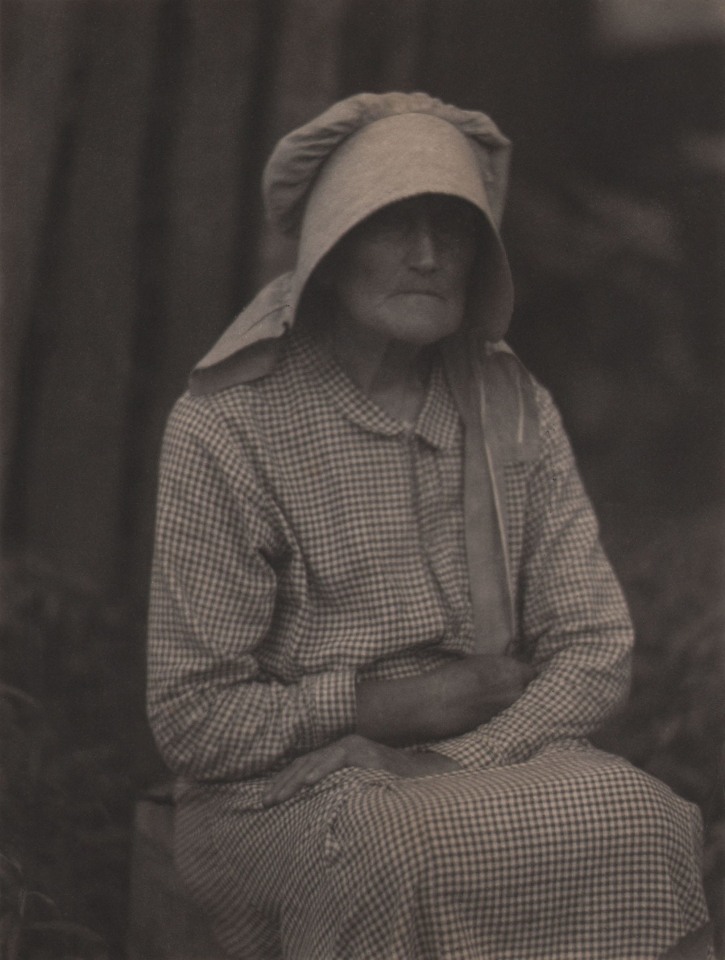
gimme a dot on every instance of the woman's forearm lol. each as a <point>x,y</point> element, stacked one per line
<point>444,702</point>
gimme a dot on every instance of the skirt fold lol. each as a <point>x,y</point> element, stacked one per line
<point>573,854</point>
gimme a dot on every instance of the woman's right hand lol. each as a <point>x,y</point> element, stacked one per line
<point>353,751</point>
<point>444,702</point>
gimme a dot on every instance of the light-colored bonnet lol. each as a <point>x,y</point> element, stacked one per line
<point>374,149</point>
<point>325,177</point>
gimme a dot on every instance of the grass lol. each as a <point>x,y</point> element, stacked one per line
<point>74,752</point>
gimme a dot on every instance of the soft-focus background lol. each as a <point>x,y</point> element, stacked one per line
<point>133,138</point>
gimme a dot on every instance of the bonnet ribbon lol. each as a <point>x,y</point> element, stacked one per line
<point>494,396</point>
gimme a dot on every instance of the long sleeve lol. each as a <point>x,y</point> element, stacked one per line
<point>214,711</point>
<point>573,619</point>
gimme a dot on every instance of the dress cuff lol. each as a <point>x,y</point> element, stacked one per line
<point>470,750</point>
<point>330,699</point>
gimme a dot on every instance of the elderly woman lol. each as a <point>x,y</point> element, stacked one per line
<point>382,624</point>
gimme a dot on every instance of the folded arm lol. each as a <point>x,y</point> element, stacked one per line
<point>444,702</point>
<point>214,712</point>
<point>573,618</point>
<point>441,703</point>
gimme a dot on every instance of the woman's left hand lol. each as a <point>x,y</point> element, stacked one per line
<point>353,751</point>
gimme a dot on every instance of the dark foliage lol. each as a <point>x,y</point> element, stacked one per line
<point>72,758</point>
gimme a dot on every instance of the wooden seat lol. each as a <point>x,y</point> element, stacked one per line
<point>164,924</point>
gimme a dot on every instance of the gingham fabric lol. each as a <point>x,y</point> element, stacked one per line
<point>306,540</point>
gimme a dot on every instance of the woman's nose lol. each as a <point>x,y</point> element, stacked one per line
<point>423,249</point>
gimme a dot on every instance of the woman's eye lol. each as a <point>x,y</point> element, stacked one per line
<point>448,225</point>
<point>455,225</point>
<point>389,223</point>
<point>448,228</point>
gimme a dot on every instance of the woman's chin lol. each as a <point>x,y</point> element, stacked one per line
<point>425,323</point>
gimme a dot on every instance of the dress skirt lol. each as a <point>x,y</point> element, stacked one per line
<point>571,855</point>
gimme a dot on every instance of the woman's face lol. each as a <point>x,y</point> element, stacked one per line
<point>402,274</point>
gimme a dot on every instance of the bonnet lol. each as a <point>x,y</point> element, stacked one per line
<point>325,177</point>
<point>374,149</point>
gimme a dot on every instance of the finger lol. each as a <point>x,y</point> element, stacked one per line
<point>305,771</point>
<point>529,673</point>
<point>285,780</point>
<point>368,754</point>
<point>326,763</point>
<point>304,774</point>
<point>280,783</point>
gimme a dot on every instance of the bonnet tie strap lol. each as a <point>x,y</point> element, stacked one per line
<point>495,400</point>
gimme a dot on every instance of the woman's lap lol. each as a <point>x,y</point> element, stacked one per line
<point>572,853</point>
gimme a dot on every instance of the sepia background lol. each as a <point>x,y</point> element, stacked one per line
<point>134,133</point>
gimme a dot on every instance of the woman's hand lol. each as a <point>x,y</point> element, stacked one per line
<point>444,702</point>
<point>353,751</point>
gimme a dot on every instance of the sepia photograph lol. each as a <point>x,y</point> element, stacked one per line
<point>362,480</point>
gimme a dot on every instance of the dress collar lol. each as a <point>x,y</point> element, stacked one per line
<point>438,422</point>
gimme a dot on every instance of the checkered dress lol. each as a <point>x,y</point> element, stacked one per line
<point>306,540</point>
